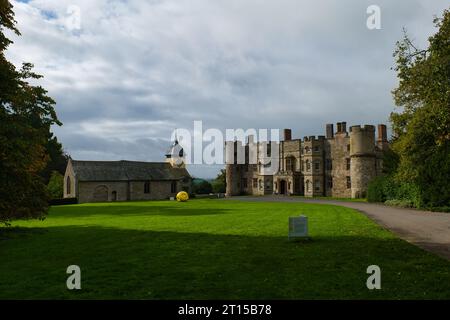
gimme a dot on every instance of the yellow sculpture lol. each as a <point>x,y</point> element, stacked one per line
<point>182,196</point>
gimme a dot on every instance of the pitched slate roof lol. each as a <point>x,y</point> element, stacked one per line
<point>126,170</point>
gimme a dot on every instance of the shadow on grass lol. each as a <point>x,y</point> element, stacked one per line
<point>9,233</point>
<point>136,210</point>
<point>132,264</point>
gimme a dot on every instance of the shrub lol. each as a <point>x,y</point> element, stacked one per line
<point>375,190</point>
<point>386,188</point>
<point>400,203</point>
<point>202,187</point>
<point>409,192</point>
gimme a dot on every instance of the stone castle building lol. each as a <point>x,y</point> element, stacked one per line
<point>101,181</point>
<point>339,164</point>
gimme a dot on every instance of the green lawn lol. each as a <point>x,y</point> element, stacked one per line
<point>212,249</point>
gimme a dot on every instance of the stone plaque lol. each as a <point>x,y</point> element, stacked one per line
<point>298,227</point>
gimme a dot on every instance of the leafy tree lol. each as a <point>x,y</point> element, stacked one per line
<point>26,114</point>
<point>219,184</point>
<point>57,158</point>
<point>202,187</point>
<point>56,185</point>
<point>421,128</point>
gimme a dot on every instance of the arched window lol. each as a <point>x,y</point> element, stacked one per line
<point>68,185</point>
<point>173,187</point>
<point>147,187</point>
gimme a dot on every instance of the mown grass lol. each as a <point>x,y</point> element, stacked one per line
<point>212,249</point>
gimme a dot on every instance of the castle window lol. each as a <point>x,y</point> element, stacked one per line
<point>308,165</point>
<point>173,187</point>
<point>255,183</point>
<point>317,165</point>
<point>317,185</point>
<point>290,164</point>
<point>147,187</point>
<point>348,148</point>
<point>68,185</point>
<point>308,186</point>
<point>348,163</point>
<point>349,182</point>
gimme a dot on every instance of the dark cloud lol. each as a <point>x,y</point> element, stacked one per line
<point>138,69</point>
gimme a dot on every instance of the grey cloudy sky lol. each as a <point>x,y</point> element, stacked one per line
<point>138,69</point>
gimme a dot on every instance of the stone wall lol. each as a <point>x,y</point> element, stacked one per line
<point>69,180</point>
<point>337,151</point>
<point>313,154</point>
<point>127,190</point>
<point>93,191</point>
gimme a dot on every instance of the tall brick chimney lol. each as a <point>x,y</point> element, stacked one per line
<point>330,131</point>
<point>382,133</point>
<point>287,134</point>
<point>382,141</point>
<point>339,127</point>
<point>344,127</point>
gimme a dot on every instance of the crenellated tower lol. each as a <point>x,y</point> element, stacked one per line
<point>232,175</point>
<point>362,159</point>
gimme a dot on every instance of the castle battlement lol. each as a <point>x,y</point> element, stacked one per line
<point>365,128</point>
<point>313,138</point>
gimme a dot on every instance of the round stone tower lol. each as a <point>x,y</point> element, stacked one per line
<point>231,169</point>
<point>231,180</point>
<point>362,159</point>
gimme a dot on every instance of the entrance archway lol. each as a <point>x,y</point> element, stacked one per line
<point>100,194</point>
<point>282,186</point>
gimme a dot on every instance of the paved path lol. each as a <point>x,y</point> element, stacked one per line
<point>426,229</point>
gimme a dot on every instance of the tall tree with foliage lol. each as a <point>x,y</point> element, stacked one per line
<point>26,114</point>
<point>57,158</point>
<point>421,128</point>
<point>219,184</point>
<point>55,185</point>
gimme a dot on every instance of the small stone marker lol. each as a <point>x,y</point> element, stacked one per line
<point>172,199</point>
<point>298,227</point>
